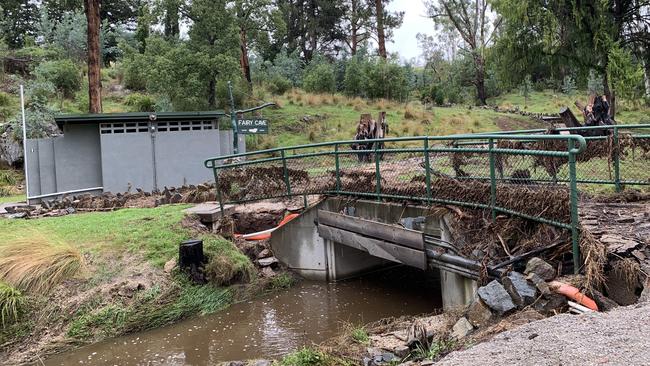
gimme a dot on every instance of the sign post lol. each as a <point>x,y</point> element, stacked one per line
<point>262,124</point>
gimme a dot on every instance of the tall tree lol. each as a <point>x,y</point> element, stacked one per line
<point>214,39</point>
<point>385,22</point>
<point>358,23</point>
<point>254,17</point>
<point>171,9</point>
<point>472,20</point>
<point>94,60</point>
<point>19,18</point>
<point>312,26</point>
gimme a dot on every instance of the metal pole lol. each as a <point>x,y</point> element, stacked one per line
<point>427,169</point>
<point>233,121</point>
<point>575,236</point>
<point>22,108</point>
<point>617,162</point>
<point>377,173</point>
<point>493,181</point>
<point>337,166</point>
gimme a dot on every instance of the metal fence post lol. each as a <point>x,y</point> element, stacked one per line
<point>216,186</point>
<point>377,173</point>
<point>575,235</point>
<point>617,162</point>
<point>337,168</point>
<point>493,181</point>
<point>427,170</point>
<point>286,173</point>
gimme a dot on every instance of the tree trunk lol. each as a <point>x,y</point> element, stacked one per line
<point>610,95</point>
<point>245,66</point>
<point>381,37</point>
<point>172,29</point>
<point>481,95</point>
<point>354,28</point>
<point>212,93</point>
<point>94,62</point>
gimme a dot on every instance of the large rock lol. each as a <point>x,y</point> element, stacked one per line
<point>461,329</point>
<point>550,305</point>
<point>539,282</point>
<point>541,268</point>
<point>496,297</point>
<point>478,313</point>
<point>521,292</point>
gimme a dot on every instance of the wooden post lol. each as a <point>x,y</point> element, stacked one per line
<point>190,258</point>
<point>569,118</point>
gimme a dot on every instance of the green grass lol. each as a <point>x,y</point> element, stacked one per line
<point>12,199</point>
<point>360,335</point>
<point>307,356</point>
<point>11,304</point>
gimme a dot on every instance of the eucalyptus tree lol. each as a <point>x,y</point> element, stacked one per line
<point>476,24</point>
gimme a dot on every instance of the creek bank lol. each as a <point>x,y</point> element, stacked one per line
<point>122,292</point>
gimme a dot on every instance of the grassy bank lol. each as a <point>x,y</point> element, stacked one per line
<point>120,287</point>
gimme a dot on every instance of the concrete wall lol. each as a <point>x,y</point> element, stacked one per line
<point>64,163</point>
<point>457,291</point>
<point>83,158</point>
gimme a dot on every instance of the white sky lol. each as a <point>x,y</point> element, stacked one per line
<point>404,41</point>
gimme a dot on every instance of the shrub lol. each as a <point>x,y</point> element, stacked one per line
<point>568,85</point>
<point>133,72</point>
<point>278,85</point>
<point>141,102</point>
<point>11,304</point>
<point>35,264</point>
<point>64,74</point>
<point>320,79</point>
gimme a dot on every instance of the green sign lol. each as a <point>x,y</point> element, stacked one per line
<point>252,126</point>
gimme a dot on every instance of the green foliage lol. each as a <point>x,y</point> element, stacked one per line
<point>282,281</point>
<point>568,85</point>
<point>141,102</point>
<point>12,304</point>
<point>307,357</point>
<point>594,83</point>
<point>278,84</point>
<point>624,75</point>
<point>356,76</point>
<point>63,74</point>
<point>360,335</point>
<point>436,350</point>
<point>320,79</point>
<point>387,80</point>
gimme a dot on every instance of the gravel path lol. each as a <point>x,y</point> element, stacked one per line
<point>620,337</point>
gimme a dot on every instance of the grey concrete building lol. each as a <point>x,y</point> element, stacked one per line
<point>118,152</point>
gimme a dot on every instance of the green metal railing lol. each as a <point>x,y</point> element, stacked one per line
<point>522,173</point>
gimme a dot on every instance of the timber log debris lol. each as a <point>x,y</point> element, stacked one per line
<point>596,113</point>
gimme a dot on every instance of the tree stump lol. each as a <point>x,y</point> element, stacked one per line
<point>191,258</point>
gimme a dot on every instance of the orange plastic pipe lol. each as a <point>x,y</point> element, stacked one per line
<point>573,293</point>
<point>266,234</point>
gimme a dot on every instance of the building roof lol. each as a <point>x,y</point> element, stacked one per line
<point>63,119</point>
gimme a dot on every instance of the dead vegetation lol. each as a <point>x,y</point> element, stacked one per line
<point>36,264</point>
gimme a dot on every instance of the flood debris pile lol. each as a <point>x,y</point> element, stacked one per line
<point>86,202</point>
<point>239,184</point>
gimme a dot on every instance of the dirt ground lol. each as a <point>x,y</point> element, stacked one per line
<point>619,337</point>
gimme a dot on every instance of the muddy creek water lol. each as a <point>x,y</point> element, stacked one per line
<point>270,326</point>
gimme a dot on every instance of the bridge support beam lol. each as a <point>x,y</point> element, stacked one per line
<point>457,290</point>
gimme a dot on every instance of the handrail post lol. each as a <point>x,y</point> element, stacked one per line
<point>493,180</point>
<point>286,172</point>
<point>427,169</point>
<point>575,238</point>
<point>377,173</point>
<point>216,186</point>
<point>617,166</point>
<point>337,167</point>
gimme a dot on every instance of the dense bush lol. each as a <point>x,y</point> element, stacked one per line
<point>278,84</point>
<point>63,74</point>
<point>320,79</point>
<point>133,72</point>
<point>141,102</point>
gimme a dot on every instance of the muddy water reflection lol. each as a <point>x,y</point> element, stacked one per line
<point>270,326</point>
